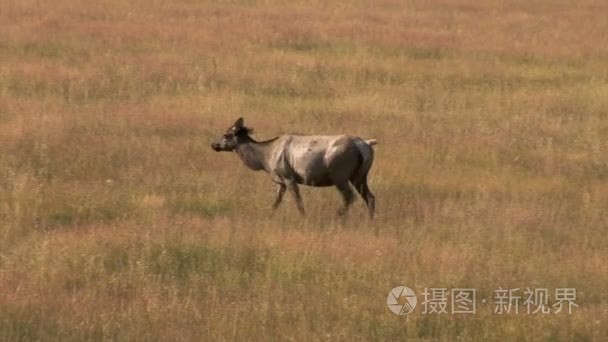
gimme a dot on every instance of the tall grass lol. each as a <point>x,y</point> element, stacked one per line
<point>117,221</point>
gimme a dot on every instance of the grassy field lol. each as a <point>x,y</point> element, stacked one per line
<point>118,222</point>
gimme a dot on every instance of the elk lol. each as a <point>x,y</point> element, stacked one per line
<point>313,160</point>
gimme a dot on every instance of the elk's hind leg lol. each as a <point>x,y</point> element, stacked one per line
<point>369,198</point>
<point>348,197</point>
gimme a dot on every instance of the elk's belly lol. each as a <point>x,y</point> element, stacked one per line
<point>310,169</point>
<point>317,182</point>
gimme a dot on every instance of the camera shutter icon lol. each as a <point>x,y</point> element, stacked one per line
<point>401,300</point>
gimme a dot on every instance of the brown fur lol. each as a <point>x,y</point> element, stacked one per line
<point>313,160</point>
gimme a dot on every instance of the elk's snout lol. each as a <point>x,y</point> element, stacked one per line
<point>216,147</point>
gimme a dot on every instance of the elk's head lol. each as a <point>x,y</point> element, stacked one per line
<point>233,136</point>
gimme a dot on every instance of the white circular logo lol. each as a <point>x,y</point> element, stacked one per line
<point>405,293</point>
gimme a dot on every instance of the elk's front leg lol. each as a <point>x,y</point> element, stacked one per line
<point>280,192</point>
<point>295,190</point>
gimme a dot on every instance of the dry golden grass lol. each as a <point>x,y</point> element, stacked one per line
<point>118,222</point>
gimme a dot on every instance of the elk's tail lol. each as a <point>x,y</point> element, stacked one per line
<point>371,142</point>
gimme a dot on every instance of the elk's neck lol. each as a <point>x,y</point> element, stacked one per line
<point>254,154</point>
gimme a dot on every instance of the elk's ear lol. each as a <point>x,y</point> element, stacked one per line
<point>238,124</point>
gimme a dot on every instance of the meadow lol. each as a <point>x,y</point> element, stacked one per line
<point>118,221</point>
